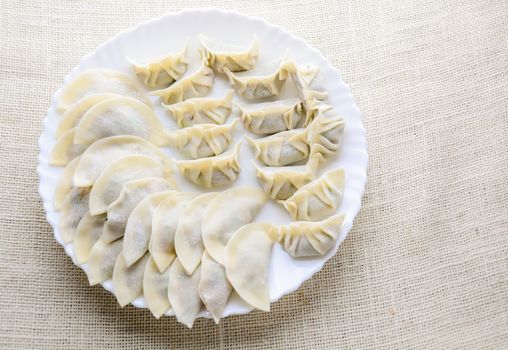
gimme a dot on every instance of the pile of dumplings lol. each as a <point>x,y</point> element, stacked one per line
<point>117,197</point>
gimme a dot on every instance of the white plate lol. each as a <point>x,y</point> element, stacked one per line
<point>167,34</point>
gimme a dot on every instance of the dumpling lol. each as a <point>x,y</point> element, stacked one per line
<point>282,184</point>
<point>104,152</point>
<point>73,115</point>
<point>99,81</point>
<point>65,150</point>
<point>196,84</point>
<point>214,287</point>
<point>247,258</point>
<point>120,116</point>
<point>64,184</point>
<point>201,110</point>
<point>188,242</point>
<point>109,184</point>
<point>326,130</point>
<point>284,148</point>
<point>212,172</point>
<point>183,293</point>
<point>132,193</point>
<point>128,280</point>
<point>139,226</point>
<point>227,212</point>
<point>233,58</point>
<point>162,71</point>
<point>272,117</point>
<point>164,224</point>
<point>310,238</point>
<point>317,199</point>
<point>251,86</point>
<point>87,233</point>
<point>204,140</point>
<point>155,289</point>
<point>74,206</point>
<point>102,261</point>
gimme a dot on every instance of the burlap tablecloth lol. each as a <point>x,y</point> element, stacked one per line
<point>426,265</point>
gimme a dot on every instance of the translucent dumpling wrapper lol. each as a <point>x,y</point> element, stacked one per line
<point>99,81</point>
<point>132,193</point>
<point>284,148</point>
<point>326,130</point>
<point>197,84</point>
<point>310,238</point>
<point>272,117</point>
<point>65,150</point>
<point>234,58</point>
<point>87,233</point>
<point>183,293</point>
<point>188,236</point>
<point>226,213</point>
<point>128,280</point>
<point>104,152</point>
<point>70,119</point>
<point>74,206</point>
<point>155,289</point>
<point>282,183</point>
<point>162,71</point>
<point>204,140</point>
<point>109,184</point>
<point>214,287</point>
<point>101,260</point>
<point>247,259</point>
<point>64,184</point>
<point>318,199</point>
<point>212,172</point>
<point>201,110</point>
<point>164,225</point>
<point>120,116</point>
<point>139,226</point>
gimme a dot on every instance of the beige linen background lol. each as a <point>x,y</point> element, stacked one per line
<point>426,265</point>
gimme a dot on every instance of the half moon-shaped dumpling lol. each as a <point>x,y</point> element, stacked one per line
<point>109,184</point>
<point>255,85</point>
<point>317,199</point>
<point>201,110</point>
<point>70,119</point>
<point>65,149</point>
<point>272,117</point>
<point>204,140</point>
<point>325,131</point>
<point>99,81</point>
<point>139,226</point>
<point>162,71</point>
<point>120,116</point>
<point>284,148</point>
<point>87,233</point>
<point>155,289</point>
<point>196,84</point>
<point>282,184</point>
<point>188,242</point>
<point>235,59</point>
<point>247,258</point>
<point>212,172</point>
<point>102,260</point>
<point>183,293</point>
<point>164,224</point>
<point>128,280</point>
<point>226,213</point>
<point>64,184</point>
<point>104,152</point>
<point>132,193</point>
<point>74,206</point>
<point>310,238</point>
<point>214,287</point>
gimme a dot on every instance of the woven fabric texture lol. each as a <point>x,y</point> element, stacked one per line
<point>426,265</point>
